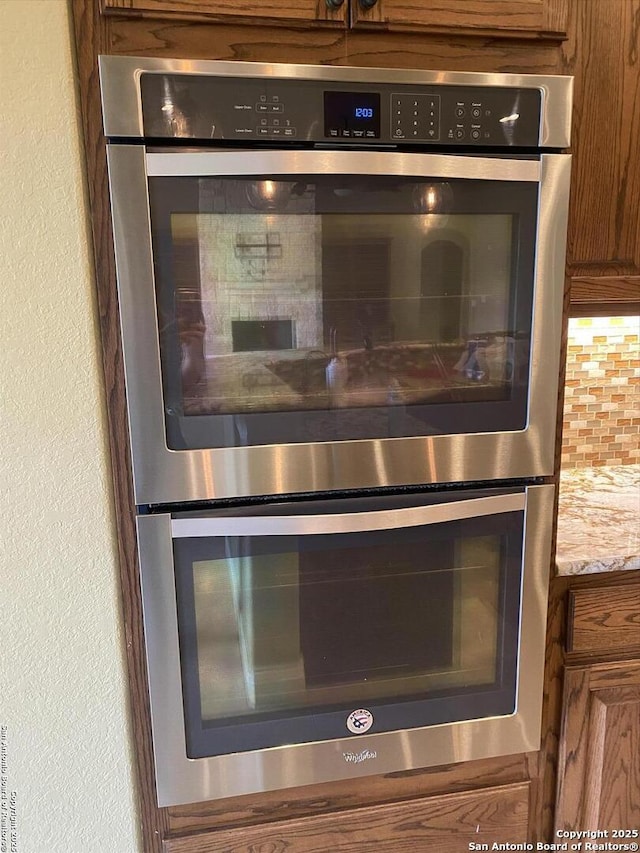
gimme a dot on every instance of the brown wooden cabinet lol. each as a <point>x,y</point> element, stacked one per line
<point>599,763</point>
<point>309,12</point>
<point>599,758</point>
<point>498,18</point>
<point>604,220</point>
<point>604,620</point>
<point>446,823</point>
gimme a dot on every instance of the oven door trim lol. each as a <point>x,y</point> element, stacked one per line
<point>180,779</point>
<point>162,475</point>
<point>348,522</point>
<point>253,162</point>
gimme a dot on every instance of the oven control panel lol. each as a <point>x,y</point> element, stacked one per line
<point>272,110</point>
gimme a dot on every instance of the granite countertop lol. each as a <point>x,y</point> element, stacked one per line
<point>599,520</point>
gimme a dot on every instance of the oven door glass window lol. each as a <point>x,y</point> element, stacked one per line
<point>328,308</point>
<point>282,636</point>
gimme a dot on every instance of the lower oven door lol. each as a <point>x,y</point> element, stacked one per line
<point>297,643</point>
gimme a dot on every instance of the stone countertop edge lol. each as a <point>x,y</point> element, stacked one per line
<point>598,520</point>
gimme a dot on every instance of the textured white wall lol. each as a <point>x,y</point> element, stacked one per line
<point>66,749</point>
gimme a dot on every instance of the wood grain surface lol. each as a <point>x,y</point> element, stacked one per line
<point>604,620</point>
<point>444,824</point>
<point>498,18</point>
<point>599,761</point>
<point>603,53</point>
<point>600,296</point>
<point>543,764</point>
<point>310,12</point>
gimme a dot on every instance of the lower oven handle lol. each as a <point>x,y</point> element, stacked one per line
<point>352,522</point>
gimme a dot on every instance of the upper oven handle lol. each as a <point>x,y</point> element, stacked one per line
<point>260,162</point>
<point>352,522</point>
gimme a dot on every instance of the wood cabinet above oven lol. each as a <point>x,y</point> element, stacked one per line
<point>515,19</point>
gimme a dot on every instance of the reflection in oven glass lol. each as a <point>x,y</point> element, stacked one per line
<point>310,629</point>
<point>288,312</point>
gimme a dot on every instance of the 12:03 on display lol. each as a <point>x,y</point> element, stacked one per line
<point>354,114</point>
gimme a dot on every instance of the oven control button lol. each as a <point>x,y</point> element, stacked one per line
<point>360,721</point>
<point>460,111</point>
<point>476,112</point>
<point>276,108</point>
<point>475,134</point>
<point>262,108</point>
<point>460,133</point>
<point>289,131</point>
<point>415,116</point>
<point>263,131</point>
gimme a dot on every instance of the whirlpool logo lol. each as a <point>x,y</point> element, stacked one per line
<point>359,757</point>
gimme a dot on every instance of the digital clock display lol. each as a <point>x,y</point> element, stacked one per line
<point>354,115</point>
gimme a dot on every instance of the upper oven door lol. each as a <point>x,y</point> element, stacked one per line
<point>316,320</point>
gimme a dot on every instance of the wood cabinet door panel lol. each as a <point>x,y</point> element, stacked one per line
<point>604,221</point>
<point>500,18</point>
<point>617,720</point>
<point>253,11</point>
<point>447,823</point>
<point>599,761</point>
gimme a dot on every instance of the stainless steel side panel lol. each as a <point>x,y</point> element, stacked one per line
<point>182,780</point>
<point>162,475</point>
<point>120,86</point>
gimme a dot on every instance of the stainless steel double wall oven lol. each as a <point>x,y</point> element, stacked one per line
<point>341,301</point>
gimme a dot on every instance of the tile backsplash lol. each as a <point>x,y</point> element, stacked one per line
<point>602,393</point>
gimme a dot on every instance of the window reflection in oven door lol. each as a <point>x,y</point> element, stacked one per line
<point>427,610</point>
